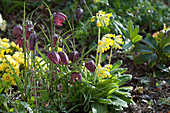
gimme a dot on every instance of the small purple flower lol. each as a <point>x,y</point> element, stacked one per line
<point>90,65</point>
<point>32,41</point>
<point>54,57</point>
<point>59,18</point>
<point>17,31</point>
<point>64,57</point>
<point>74,56</point>
<point>76,75</point>
<point>79,14</point>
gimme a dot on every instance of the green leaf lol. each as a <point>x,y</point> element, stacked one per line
<point>102,100</point>
<point>135,32</point>
<point>164,42</point>
<point>124,78</point>
<point>141,48</point>
<point>127,45</point>
<point>99,108</point>
<point>143,58</point>
<point>153,60</point>
<point>102,1</point>
<point>26,106</point>
<point>117,64</point>
<point>167,48</point>
<point>136,38</point>
<point>151,41</point>
<point>118,101</point>
<point>45,95</point>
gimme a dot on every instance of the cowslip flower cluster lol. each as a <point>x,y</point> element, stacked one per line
<point>117,41</point>
<point>103,72</point>
<point>2,23</point>
<point>102,18</point>
<point>105,43</point>
<point>11,52</point>
<point>14,55</point>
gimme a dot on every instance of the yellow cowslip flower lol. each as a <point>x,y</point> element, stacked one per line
<point>13,44</point>
<point>93,19</point>
<point>104,44</point>
<point>118,40</point>
<point>6,77</point>
<point>5,40</point>
<point>7,51</point>
<point>5,44</point>
<point>102,18</point>
<point>102,71</point>
<point>17,47</point>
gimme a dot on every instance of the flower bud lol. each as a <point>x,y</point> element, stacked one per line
<point>32,41</point>
<point>79,14</point>
<point>74,56</point>
<point>76,75</point>
<point>90,65</point>
<point>17,31</point>
<point>59,18</point>
<point>64,57</point>
<point>54,57</point>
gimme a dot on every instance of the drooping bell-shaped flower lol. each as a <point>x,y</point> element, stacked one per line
<point>59,18</point>
<point>74,56</point>
<point>64,57</point>
<point>32,41</point>
<point>76,75</point>
<point>90,65</point>
<point>79,14</point>
<point>20,41</point>
<point>54,57</point>
<point>55,39</point>
<point>17,31</point>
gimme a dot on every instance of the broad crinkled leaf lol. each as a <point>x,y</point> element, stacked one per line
<point>151,41</point>
<point>141,48</point>
<point>118,101</point>
<point>98,108</point>
<point>124,78</point>
<point>153,60</point>
<point>167,48</point>
<point>143,58</point>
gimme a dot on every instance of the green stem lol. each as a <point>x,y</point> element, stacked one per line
<point>25,69</point>
<point>97,54</point>
<point>97,43</point>
<point>100,57</point>
<point>110,56</point>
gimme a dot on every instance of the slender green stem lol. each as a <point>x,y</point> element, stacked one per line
<point>100,57</point>
<point>97,53</point>
<point>110,56</point>
<point>25,74</point>
<point>97,43</point>
<point>34,82</point>
<point>87,7</point>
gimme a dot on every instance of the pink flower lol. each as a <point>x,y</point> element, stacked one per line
<point>59,18</point>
